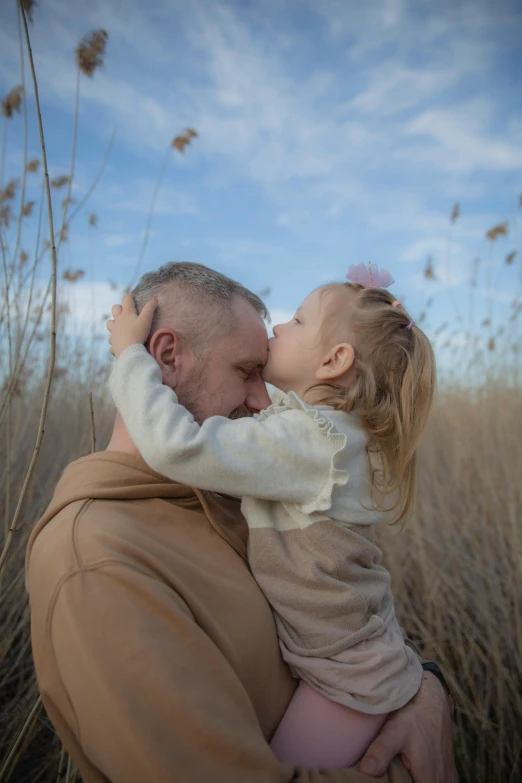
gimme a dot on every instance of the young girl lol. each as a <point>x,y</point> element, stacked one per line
<point>316,471</point>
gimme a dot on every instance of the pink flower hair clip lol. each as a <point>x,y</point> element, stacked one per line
<point>369,276</point>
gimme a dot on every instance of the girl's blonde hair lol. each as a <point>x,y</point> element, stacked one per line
<point>392,389</point>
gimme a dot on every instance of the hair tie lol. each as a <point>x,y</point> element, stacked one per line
<point>412,323</point>
<point>396,303</point>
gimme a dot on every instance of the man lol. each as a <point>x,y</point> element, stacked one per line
<point>155,651</point>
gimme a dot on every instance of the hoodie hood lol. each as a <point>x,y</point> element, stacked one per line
<point>111,475</point>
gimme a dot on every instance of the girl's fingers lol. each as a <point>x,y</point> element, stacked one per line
<point>116,311</point>
<point>109,324</point>
<point>147,314</point>
<point>128,304</point>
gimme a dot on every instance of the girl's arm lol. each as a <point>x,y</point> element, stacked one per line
<point>285,457</point>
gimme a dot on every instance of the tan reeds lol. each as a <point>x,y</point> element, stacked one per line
<point>52,346</point>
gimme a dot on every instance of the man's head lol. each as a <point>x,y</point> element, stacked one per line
<point>209,339</point>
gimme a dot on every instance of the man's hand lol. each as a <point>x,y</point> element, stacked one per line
<point>127,327</point>
<point>420,733</point>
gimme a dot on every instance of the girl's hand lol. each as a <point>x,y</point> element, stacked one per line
<point>127,327</point>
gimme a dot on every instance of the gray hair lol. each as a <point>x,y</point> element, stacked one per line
<point>199,301</point>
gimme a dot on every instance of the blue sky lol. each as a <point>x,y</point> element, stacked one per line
<point>330,133</point>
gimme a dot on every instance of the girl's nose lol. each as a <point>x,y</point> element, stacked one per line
<point>276,329</point>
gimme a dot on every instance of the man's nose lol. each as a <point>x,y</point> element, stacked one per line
<point>257,397</point>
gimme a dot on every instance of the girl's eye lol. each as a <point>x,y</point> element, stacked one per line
<point>297,321</point>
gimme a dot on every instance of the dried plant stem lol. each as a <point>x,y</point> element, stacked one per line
<point>73,150</point>
<point>450,290</point>
<point>22,356</point>
<point>2,158</point>
<point>489,291</point>
<point>30,278</point>
<point>18,741</point>
<point>52,347</point>
<point>95,181</point>
<point>71,772</point>
<point>60,764</point>
<point>7,485</point>
<point>24,171</point>
<point>7,303</point>
<point>93,430</point>
<point>146,235</point>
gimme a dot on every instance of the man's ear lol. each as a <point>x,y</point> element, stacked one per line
<point>165,347</point>
<point>336,363</point>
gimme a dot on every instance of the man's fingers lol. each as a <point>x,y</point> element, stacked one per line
<point>383,749</point>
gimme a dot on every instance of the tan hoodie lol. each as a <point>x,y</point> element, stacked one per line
<point>155,651</point>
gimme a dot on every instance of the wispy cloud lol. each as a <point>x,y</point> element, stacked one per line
<point>461,140</point>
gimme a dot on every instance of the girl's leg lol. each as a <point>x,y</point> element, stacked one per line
<point>318,733</point>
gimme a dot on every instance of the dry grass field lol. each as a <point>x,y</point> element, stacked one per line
<point>456,567</point>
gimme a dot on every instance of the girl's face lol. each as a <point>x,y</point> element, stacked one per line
<point>295,352</point>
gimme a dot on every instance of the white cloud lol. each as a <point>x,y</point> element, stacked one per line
<point>394,89</point>
<point>89,306</point>
<point>460,139</point>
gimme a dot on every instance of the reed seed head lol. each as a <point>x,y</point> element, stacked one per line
<point>429,271</point>
<point>12,101</point>
<point>73,275</point>
<point>183,140</point>
<point>29,6</point>
<point>60,181</point>
<point>455,213</point>
<point>499,230</point>
<point>64,233</point>
<point>90,52</point>
<point>9,192</point>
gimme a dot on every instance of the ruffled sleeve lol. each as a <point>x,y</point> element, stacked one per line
<point>315,420</point>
